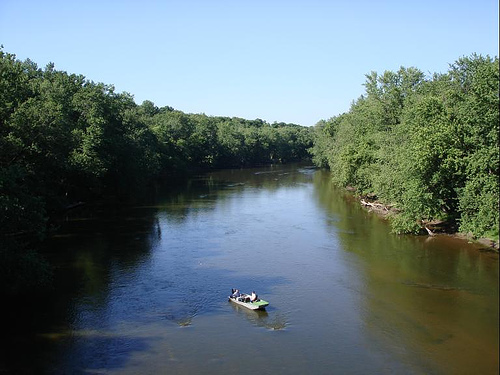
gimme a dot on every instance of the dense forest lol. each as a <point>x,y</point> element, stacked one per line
<point>425,148</point>
<point>65,140</point>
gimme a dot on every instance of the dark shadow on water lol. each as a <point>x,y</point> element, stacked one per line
<point>71,354</point>
<point>96,352</point>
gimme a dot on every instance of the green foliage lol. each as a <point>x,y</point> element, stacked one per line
<point>199,141</point>
<point>64,139</point>
<point>476,82</point>
<point>427,146</point>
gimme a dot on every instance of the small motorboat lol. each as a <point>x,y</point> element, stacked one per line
<point>244,300</point>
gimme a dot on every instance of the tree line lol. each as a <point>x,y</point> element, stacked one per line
<point>65,139</point>
<point>425,147</point>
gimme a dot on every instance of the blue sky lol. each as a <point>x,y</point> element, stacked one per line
<point>290,61</point>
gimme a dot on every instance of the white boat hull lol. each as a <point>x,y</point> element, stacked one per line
<point>257,305</point>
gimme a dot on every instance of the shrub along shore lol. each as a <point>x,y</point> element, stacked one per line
<point>427,147</point>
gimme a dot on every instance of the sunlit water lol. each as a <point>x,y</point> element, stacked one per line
<point>143,289</point>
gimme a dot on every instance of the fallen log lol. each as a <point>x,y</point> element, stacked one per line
<point>431,233</point>
<point>433,226</point>
<point>377,206</point>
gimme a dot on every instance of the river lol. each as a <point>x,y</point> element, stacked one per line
<point>143,289</point>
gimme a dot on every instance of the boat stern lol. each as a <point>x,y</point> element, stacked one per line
<point>260,304</point>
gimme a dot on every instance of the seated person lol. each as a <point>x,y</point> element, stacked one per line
<point>253,297</point>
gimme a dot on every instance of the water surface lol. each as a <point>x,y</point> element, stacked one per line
<point>143,289</point>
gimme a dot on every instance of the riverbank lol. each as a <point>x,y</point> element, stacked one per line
<point>433,228</point>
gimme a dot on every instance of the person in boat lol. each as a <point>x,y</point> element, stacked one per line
<point>244,297</point>
<point>253,297</point>
<point>235,293</point>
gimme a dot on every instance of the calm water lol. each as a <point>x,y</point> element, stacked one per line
<point>142,290</point>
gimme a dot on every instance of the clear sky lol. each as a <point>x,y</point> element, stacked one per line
<point>283,60</point>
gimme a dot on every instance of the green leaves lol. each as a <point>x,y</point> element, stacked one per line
<point>428,146</point>
<point>64,139</point>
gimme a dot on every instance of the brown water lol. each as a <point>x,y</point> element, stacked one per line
<point>142,290</point>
